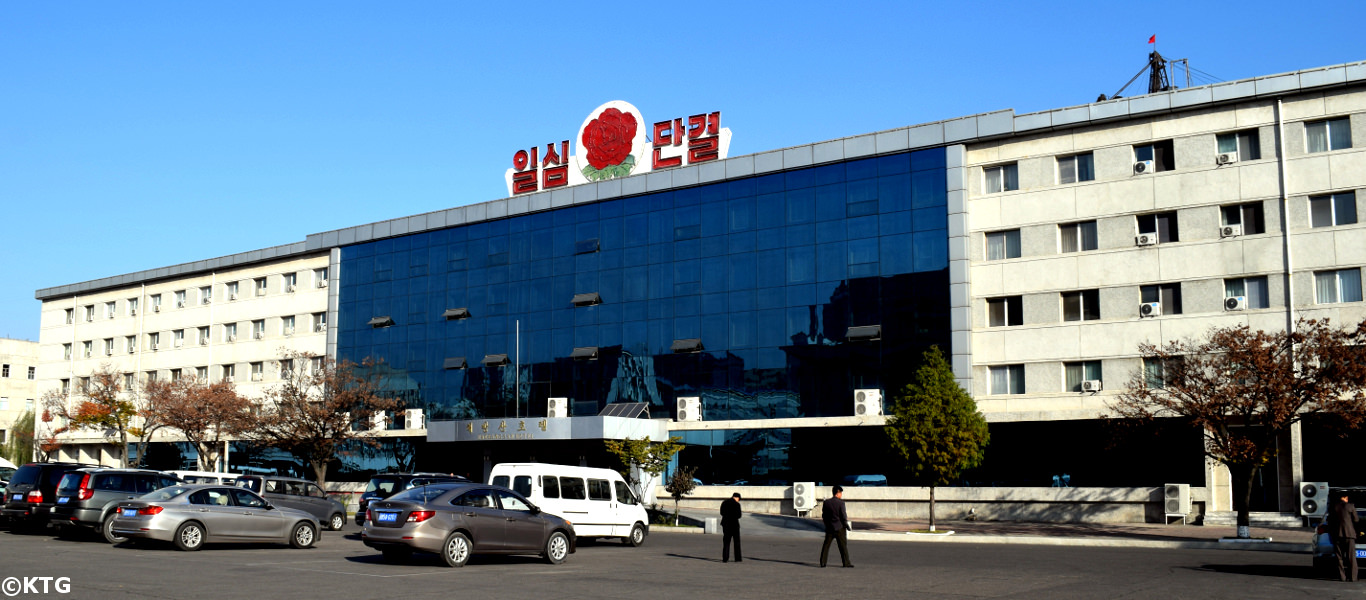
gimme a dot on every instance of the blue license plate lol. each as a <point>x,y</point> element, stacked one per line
<point>387,517</point>
<point>130,512</point>
<point>18,498</point>
<point>1361,553</point>
<point>63,499</point>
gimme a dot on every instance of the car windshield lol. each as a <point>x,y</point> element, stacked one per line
<point>383,485</point>
<point>421,495</point>
<point>27,474</point>
<point>165,493</point>
<point>70,482</point>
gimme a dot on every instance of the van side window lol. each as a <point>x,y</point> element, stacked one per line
<point>550,486</point>
<point>624,494</point>
<point>501,480</point>
<point>274,487</point>
<point>112,482</point>
<point>599,489</point>
<point>294,488</point>
<point>571,488</point>
<point>522,484</point>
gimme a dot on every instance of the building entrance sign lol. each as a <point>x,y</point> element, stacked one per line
<point>615,141</point>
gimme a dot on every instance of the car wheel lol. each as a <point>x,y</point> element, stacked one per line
<point>637,536</point>
<point>337,522</point>
<point>303,535</point>
<point>456,550</point>
<point>107,528</point>
<point>189,536</point>
<point>557,548</point>
<point>397,555</point>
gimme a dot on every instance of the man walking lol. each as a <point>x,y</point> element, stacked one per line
<point>836,524</point>
<point>1342,529</point>
<point>730,528</point>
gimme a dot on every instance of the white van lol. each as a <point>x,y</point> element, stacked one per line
<point>597,501</point>
<point>206,477</point>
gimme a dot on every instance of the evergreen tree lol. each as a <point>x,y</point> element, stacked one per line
<point>935,427</point>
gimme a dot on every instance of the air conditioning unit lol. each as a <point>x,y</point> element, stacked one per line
<point>1143,166</point>
<point>412,419</point>
<point>108,351</point>
<point>132,350</point>
<point>1313,498</point>
<point>154,347</point>
<point>1224,158</point>
<point>111,315</point>
<point>1176,499</point>
<point>557,408</point>
<point>205,300</point>
<point>180,304</point>
<point>256,376</point>
<point>803,496</point>
<point>1235,303</point>
<point>1230,231</point>
<point>232,297</point>
<point>227,378</point>
<point>320,327</point>
<point>156,308</point>
<point>289,332</point>
<point>260,291</point>
<point>203,341</point>
<point>689,408</point>
<point>867,403</point>
<point>258,335</point>
<point>232,338</point>
<point>1091,385</point>
<point>1146,239</point>
<point>322,283</point>
<point>132,312</point>
<point>1150,309</point>
<point>289,289</point>
<point>179,343</point>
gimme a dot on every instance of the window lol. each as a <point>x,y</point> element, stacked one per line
<point>320,278</point>
<point>319,321</point>
<point>1161,224</point>
<point>89,313</point>
<point>1007,379</point>
<point>1004,312</point>
<point>1164,159</point>
<point>127,381</point>
<point>4,370</point>
<point>258,371</point>
<point>66,351</point>
<point>70,316</point>
<point>178,336</point>
<point>150,376</point>
<point>3,439</point>
<point>1076,372</point>
<point>260,284</point>
<point>131,343</point>
<point>1244,144</point>
<point>1003,244</point>
<point>1167,294</point>
<point>28,404</point>
<point>156,302</point>
<point>315,365</point>
<point>229,371</point>
<point>1001,178</point>
<point>286,368</point>
<point>232,290</point>
<point>175,374</point>
<point>4,403</point>
<point>1333,134</point>
<point>83,384</point>
<point>599,489</point>
<point>287,325</point>
<point>153,339</point>
<point>572,488</point>
<point>1156,371</point>
<point>108,346</point>
<point>206,294</point>
<point>229,332</point>
<point>1337,286</point>
<point>32,372</point>
<point>203,336</point>
<point>87,348</point>
<point>1080,167</point>
<point>1252,288</point>
<point>258,328</point>
<point>1081,306</point>
<point>1078,237</point>
<point>475,499</point>
<point>624,494</point>
<point>1248,216</point>
<point>180,299</point>
<point>110,309</point>
<point>66,386</point>
<point>132,307</point>
<point>290,280</point>
<point>201,373</point>
<point>522,485</point>
<point>550,486</point>
<point>1334,209</point>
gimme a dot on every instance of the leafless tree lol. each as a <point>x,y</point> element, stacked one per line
<point>206,413</point>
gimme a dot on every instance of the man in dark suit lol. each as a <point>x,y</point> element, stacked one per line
<point>836,524</point>
<point>730,528</point>
<point>1342,529</point>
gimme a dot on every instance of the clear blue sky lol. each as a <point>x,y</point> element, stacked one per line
<point>136,135</point>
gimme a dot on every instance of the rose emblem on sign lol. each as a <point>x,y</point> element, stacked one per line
<point>607,143</point>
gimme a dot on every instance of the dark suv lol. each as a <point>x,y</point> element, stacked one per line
<point>87,498</point>
<point>387,484</point>
<point>32,493</point>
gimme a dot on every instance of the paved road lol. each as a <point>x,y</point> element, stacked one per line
<point>669,565</point>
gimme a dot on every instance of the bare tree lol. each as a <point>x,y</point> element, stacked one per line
<point>206,413</point>
<point>1245,388</point>
<point>98,404</point>
<point>319,408</point>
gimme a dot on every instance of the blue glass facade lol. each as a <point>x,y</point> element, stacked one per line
<point>769,272</point>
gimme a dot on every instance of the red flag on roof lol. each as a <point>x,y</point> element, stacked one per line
<point>1152,40</point>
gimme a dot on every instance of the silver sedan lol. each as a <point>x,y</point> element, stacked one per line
<point>191,515</point>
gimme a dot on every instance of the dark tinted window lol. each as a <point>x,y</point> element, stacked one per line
<point>501,480</point>
<point>251,483</point>
<point>474,498</point>
<point>599,489</point>
<point>211,496</point>
<point>70,482</point>
<point>26,475</point>
<point>423,494</point>
<point>245,498</point>
<point>550,486</point>
<point>522,485</point>
<point>313,491</point>
<point>113,482</point>
<point>571,488</point>
<point>274,487</point>
<point>624,494</point>
<point>166,482</point>
<point>383,485</point>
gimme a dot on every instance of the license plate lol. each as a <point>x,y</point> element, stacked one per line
<point>387,517</point>
<point>18,498</point>
<point>63,499</point>
<point>130,512</point>
<point>1361,553</point>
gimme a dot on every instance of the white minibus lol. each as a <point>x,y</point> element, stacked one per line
<point>597,501</point>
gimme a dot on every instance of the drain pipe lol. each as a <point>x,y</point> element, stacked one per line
<point>1285,218</point>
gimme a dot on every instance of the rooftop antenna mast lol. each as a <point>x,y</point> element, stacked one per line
<point>1158,81</point>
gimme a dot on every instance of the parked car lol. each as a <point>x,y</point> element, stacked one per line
<point>458,520</point>
<point>190,516</point>
<point>32,493</point>
<point>1325,559</point>
<point>206,477</point>
<point>385,485</point>
<point>300,494</point>
<point>598,500</point>
<point>86,498</point>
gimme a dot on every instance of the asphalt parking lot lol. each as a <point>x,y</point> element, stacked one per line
<point>669,565</point>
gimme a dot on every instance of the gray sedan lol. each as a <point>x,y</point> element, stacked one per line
<point>190,515</point>
<point>457,520</point>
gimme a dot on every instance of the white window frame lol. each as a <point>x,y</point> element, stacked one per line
<point>1076,233</point>
<point>1076,173</point>
<point>180,299</point>
<point>1328,127</point>
<point>1010,380</point>
<point>287,325</point>
<point>1007,174</point>
<point>1005,235</point>
<point>1335,220</point>
<point>1338,285</point>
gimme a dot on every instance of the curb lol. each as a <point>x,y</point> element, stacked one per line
<point>1302,548</point>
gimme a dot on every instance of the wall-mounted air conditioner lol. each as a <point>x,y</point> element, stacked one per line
<point>556,408</point>
<point>867,403</point>
<point>1225,158</point>
<point>1146,239</point>
<point>1091,385</point>
<point>689,408</point>
<point>1230,231</point>
<point>1143,166</point>
<point>1150,309</point>
<point>1235,303</point>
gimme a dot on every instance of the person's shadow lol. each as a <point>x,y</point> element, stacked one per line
<point>1283,571</point>
<point>770,560</point>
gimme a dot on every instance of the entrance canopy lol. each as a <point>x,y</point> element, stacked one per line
<point>598,427</point>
